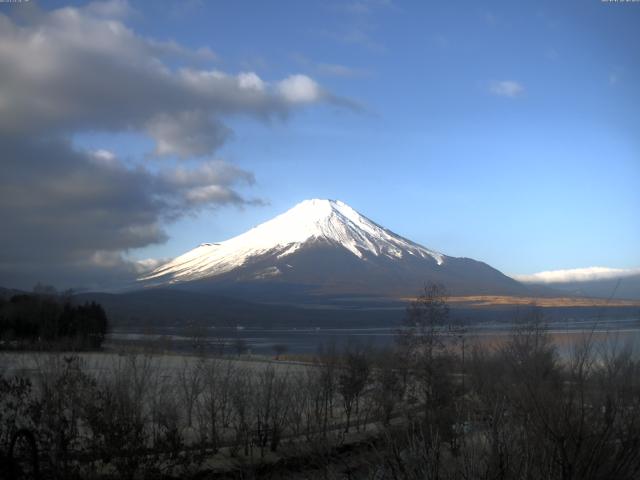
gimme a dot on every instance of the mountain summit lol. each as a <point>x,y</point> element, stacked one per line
<point>327,247</point>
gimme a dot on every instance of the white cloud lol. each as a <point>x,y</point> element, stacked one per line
<point>300,89</point>
<point>148,264</point>
<point>187,134</point>
<point>577,275</point>
<point>84,69</point>
<point>250,80</point>
<point>209,183</point>
<point>506,88</point>
<point>105,157</point>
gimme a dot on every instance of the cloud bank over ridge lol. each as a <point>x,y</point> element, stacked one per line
<point>577,275</point>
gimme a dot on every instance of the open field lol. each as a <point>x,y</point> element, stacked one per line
<point>169,365</point>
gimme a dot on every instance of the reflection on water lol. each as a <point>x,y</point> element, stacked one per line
<point>621,331</point>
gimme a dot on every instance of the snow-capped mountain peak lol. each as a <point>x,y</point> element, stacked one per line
<point>309,222</point>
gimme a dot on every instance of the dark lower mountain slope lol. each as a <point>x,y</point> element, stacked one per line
<point>321,268</point>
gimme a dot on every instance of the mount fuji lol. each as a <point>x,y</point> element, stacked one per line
<point>325,247</point>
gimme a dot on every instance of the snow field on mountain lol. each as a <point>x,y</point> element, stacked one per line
<point>310,221</point>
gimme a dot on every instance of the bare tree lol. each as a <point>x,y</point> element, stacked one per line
<point>426,323</point>
<point>240,395</point>
<point>215,401</point>
<point>352,380</point>
<point>62,386</point>
<point>190,382</point>
<point>326,379</point>
<point>270,407</point>
<point>300,403</point>
<point>388,389</point>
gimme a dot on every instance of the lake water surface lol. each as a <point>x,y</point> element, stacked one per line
<point>310,340</point>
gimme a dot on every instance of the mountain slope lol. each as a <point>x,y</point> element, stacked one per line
<point>326,247</point>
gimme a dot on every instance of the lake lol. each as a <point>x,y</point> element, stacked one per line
<point>308,340</point>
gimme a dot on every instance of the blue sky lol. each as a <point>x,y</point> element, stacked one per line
<point>503,131</point>
<point>547,179</point>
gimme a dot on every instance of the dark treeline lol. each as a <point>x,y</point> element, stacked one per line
<point>46,319</point>
<point>436,406</point>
